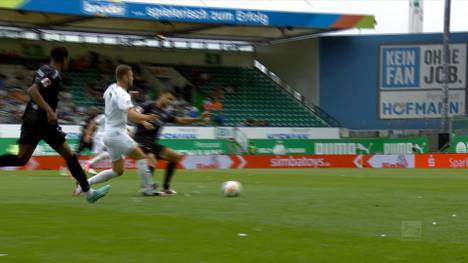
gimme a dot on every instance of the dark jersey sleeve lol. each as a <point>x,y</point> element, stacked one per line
<point>43,78</point>
<point>147,106</point>
<point>170,117</point>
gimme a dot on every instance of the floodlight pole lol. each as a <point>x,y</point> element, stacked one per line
<point>446,56</point>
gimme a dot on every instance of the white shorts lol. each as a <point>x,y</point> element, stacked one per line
<point>118,144</point>
<point>98,144</point>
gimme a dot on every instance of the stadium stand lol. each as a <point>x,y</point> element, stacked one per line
<point>246,94</point>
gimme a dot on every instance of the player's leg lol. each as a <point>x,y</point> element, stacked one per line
<point>81,146</point>
<point>29,138</point>
<point>152,162</point>
<point>173,159</point>
<point>77,172</point>
<point>147,184</point>
<point>104,176</point>
<point>117,145</point>
<point>101,154</point>
<point>20,159</point>
<point>56,139</point>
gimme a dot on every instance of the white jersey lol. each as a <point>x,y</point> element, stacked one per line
<point>118,102</point>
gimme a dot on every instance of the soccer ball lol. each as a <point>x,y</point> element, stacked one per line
<point>231,188</point>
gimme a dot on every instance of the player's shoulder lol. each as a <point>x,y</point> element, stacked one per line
<point>147,104</point>
<point>120,91</point>
<point>47,71</point>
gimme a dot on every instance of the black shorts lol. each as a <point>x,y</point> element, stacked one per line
<point>84,145</point>
<point>149,146</point>
<point>33,132</point>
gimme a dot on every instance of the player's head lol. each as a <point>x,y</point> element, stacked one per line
<point>166,97</point>
<point>59,56</point>
<point>124,75</point>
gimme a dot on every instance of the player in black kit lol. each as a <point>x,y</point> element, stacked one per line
<point>147,134</point>
<point>40,123</point>
<point>86,137</point>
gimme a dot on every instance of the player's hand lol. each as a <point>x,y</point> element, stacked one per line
<point>52,117</point>
<point>148,125</point>
<point>151,118</point>
<point>134,93</point>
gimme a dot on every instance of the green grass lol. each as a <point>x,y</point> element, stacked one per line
<point>323,215</point>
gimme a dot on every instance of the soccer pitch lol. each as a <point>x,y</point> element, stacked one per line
<point>283,215</point>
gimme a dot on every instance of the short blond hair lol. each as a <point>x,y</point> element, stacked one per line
<point>121,71</point>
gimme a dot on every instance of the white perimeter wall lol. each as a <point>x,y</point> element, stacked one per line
<point>297,63</point>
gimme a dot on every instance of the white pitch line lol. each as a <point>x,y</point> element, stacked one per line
<point>3,255</point>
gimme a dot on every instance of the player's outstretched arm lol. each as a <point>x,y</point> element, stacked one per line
<point>188,121</point>
<point>140,118</point>
<point>36,96</point>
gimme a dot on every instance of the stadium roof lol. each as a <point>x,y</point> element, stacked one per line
<point>148,19</point>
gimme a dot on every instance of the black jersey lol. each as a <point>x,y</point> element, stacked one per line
<point>85,124</point>
<point>164,117</point>
<point>49,82</point>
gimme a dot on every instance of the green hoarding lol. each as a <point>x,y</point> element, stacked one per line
<point>198,147</point>
<point>268,146</point>
<point>342,146</point>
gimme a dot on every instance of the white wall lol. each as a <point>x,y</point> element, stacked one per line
<point>137,54</point>
<point>297,63</point>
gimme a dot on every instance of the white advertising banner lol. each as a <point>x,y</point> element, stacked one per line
<point>419,104</point>
<point>391,161</point>
<point>411,79</point>
<point>14,130</point>
<point>290,133</point>
<point>191,132</point>
<point>186,132</point>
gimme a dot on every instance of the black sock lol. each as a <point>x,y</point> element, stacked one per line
<point>151,169</point>
<point>77,172</point>
<point>10,160</point>
<point>171,166</point>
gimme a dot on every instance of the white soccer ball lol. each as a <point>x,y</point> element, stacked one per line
<point>231,189</point>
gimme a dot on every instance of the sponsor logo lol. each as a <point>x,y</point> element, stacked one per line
<point>401,148</point>
<point>458,163</point>
<point>420,108</point>
<point>299,162</point>
<point>431,161</point>
<point>46,82</point>
<point>342,148</point>
<point>103,8</point>
<point>207,145</point>
<point>400,67</point>
<point>279,149</point>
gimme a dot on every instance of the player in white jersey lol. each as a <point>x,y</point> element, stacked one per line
<point>118,109</point>
<point>97,128</point>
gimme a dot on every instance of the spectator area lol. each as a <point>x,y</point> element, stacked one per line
<point>247,94</point>
<point>236,96</point>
